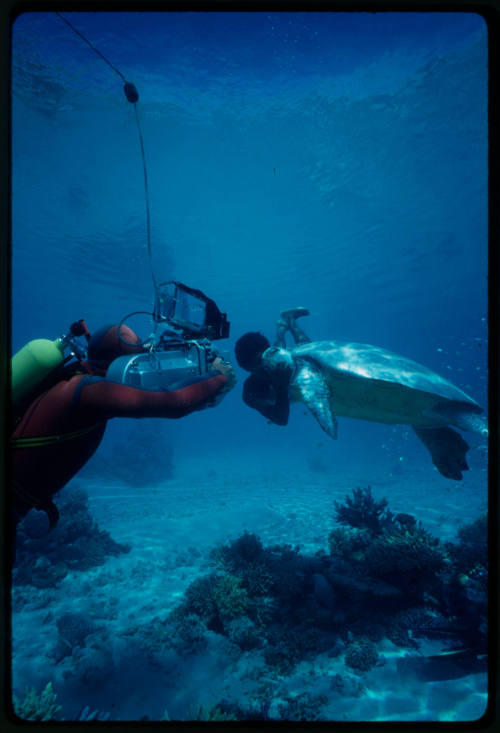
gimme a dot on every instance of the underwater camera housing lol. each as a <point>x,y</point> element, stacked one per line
<point>187,321</point>
<point>189,311</point>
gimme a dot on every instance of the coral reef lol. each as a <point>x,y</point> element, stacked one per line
<point>87,715</point>
<point>76,543</point>
<point>94,663</point>
<point>189,633</point>
<point>472,548</point>
<point>244,633</point>
<point>259,710</point>
<point>44,708</point>
<point>465,594</point>
<point>349,546</point>
<point>73,630</point>
<point>385,577</point>
<point>216,599</point>
<point>206,713</point>
<point>302,707</point>
<point>383,553</point>
<point>238,554</point>
<point>246,598</point>
<point>410,560</point>
<point>41,707</point>
<point>361,655</point>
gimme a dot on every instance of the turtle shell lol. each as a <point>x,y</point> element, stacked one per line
<point>373,383</point>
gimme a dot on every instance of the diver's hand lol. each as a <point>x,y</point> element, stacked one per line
<point>225,368</point>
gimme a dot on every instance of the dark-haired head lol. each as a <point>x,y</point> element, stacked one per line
<point>249,348</point>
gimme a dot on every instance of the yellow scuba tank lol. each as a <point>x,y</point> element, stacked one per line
<point>33,363</point>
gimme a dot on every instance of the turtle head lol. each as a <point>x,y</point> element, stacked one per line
<point>276,359</point>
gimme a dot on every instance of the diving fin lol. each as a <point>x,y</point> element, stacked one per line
<point>52,513</point>
<point>445,666</point>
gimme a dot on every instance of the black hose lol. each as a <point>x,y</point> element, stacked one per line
<point>129,315</point>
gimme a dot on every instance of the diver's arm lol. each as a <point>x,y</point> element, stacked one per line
<point>105,399</point>
<point>273,405</point>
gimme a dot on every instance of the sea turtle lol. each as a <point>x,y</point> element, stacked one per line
<point>370,383</point>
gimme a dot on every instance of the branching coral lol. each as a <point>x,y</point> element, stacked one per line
<point>87,715</point>
<point>41,707</point>
<point>362,511</point>
<point>44,708</point>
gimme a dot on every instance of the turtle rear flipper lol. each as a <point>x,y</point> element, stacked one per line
<point>315,394</point>
<point>447,449</point>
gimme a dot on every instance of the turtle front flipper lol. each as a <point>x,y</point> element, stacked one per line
<point>315,394</point>
<point>447,449</point>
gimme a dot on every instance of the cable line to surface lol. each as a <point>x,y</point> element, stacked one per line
<point>132,96</point>
<point>96,50</point>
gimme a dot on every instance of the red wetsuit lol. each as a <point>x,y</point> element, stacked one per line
<point>63,427</point>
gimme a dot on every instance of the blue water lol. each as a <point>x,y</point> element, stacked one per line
<point>332,160</point>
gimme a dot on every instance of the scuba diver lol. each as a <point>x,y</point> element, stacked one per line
<point>360,381</point>
<point>59,422</point>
